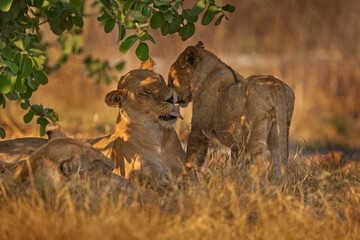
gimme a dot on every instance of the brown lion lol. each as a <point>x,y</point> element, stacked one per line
<point>245,115</point>
<point>65,160</point>
<point>146,143</point>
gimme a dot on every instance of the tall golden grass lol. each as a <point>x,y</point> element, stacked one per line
<point>224,203</point>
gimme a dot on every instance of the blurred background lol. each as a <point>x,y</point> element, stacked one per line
<point>313,46</point>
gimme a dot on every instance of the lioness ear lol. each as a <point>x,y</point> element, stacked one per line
<point>148,65</point>
<point>191,57</point>
<point>200,44</point>
<point>115,98</point>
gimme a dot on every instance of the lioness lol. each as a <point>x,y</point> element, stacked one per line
<point>145,140</point>
<point>245,115</point>
<point>65,160</point>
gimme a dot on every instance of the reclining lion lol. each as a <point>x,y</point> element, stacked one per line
<point>245,115</point>
<point>65,160</point>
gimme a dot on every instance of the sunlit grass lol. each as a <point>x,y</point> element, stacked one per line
<point>223,204</point>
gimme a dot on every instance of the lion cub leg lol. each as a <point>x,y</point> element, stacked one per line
<point>256,147</point>
<point>196,150</point>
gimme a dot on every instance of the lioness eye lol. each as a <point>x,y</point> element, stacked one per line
<point>170,99</point>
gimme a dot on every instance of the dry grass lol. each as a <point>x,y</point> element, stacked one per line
<point>223,204</point>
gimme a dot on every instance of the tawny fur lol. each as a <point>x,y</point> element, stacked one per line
<point>66,161</point>
<point>143,143</point>
<point>245,115</point>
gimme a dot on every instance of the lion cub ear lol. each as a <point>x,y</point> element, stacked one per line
<point>191,56</point>
<point>148,65</point>
<point>115,98</point>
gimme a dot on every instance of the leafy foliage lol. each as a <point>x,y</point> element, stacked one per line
<point>23,57</point>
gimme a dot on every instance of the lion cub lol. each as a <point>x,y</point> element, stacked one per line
<point>245,115</point>
<point>146,143</point>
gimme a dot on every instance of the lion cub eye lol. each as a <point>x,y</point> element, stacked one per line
<point>170,99</point>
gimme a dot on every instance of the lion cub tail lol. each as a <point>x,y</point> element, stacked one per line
<point>282,127</point>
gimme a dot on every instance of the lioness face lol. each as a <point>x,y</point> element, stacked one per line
<point>180,75</point>
<point>68,160</point>
<point>144,97</point>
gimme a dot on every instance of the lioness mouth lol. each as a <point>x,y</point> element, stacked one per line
<point>175,112</point>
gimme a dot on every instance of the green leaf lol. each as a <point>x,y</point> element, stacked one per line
<point>28,117</point>
<point>165,28</point>
<point>187,31</point>
<point>38,109</point>
<point>122,31</point>
<point>142,51</point>
<point>147,11</point>
<point>175,25</point>
<point>161,2</point>
<point>228,8</point>
<point>190,19</point>
<point>78,21</point>
<point>27,94</point>
<point>198,8</point>
<point>157,20</point>
<point>26,67</point>
<point>128,5</point>
<point>40,77</point>
<point>210,14</point>
<point>5,5</point>
<point>20,84</point>
<point>43,122</point>
<point>76,3</point>
<point>130,24</point>
<point>12,96</point>
<point>2,101</point>
<point>109,25</point>
<point>1,98</point>
<point>5,84</point>
<point>106,3</point>
<point>125,45</point>
<point>120,66</point>
<point>25,105</point>
<point>137,16</point>
<point>2,44</point>
<point>53,116</point>
<point>31,83</point>
<point>2,133</point>
<point>8,53</point>
<point>38,62</point>
<point>18,42</point>
<point>57,25</point>
<point>103,16</point>
<point>13,67</point>
<point>218,21</point>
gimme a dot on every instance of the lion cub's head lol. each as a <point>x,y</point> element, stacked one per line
<point>143,97</point>
<point>180,72</point>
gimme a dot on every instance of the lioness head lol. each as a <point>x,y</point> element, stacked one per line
<point>144,97</point>
<point>67,160</point>
<point>181,70</point>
